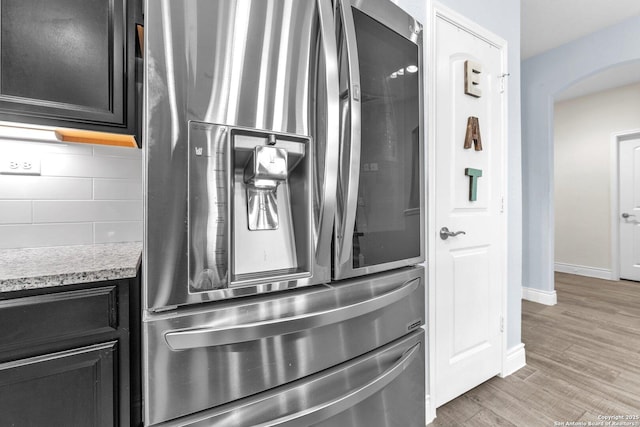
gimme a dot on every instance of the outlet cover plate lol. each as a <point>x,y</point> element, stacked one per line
<point>20,166</point>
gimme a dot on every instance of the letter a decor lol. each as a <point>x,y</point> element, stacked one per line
<point>473,134</point>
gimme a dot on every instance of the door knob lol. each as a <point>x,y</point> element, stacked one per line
<point>626,215</point>
<point>445,233</point>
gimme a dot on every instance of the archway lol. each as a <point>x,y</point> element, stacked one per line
<point>543,77</point>
<point>586,115</point>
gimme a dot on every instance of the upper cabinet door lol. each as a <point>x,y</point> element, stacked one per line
<point>67,63</point>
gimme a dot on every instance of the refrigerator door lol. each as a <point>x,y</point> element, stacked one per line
<point>199,358</point>
<point>224,81</point>
<point>380,214</point>
<point>383,388</point>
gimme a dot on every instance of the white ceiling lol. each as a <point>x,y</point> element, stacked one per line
<point>547,24</point>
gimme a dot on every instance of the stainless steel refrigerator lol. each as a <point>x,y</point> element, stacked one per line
<point>284,214</point>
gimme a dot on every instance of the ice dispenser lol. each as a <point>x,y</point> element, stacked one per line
<point>265,170</point>
<point>249,207</point>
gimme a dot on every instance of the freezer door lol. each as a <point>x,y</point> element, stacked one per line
<point>384,388</point>
<point>380,216</point>
<point>200,359</point>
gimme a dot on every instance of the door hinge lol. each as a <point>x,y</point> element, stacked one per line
<point>503,83</point>
<point>501,324</point>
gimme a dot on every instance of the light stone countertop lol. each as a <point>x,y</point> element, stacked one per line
<point>35,268</point>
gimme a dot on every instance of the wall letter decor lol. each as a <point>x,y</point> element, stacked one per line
<point>472,72</point>
<point>474,174</point>
<point>473,134</point>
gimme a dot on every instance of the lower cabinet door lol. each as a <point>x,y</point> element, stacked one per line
<point>383,388</point>
<point>66,389</point>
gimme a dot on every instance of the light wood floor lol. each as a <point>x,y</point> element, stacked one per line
<point>583,360</point>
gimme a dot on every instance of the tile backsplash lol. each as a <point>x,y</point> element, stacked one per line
<point>85,194</point>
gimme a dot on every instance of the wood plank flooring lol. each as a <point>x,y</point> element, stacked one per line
<point>583,361</point>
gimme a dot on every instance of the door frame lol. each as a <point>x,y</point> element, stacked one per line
<point>616,139</point>
<point>438,11</point>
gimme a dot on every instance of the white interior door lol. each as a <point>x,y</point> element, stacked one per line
<point>629,209</point>
<point>470,268</point>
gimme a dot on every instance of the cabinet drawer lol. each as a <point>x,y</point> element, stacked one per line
<point>41,319</point>
<point>383,388</point>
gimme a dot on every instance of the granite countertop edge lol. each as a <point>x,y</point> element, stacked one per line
<point>39,268</point>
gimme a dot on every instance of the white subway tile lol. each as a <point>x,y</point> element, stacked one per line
<point>89,166</point>
<point>80,211</point>
<point>15,212</point>
<point>112,232</point>
<point>40,235</point>
<point>66,165</point>
<point>71,148</point>
<point>43,148</point>
<point>27,133</point>
<point>44,188</point>
<point>117,189</point>
<point>111,151</point>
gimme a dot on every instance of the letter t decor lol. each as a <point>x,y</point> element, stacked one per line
<point>474,174</point>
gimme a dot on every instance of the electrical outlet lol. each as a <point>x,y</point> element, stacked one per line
<point>20,166</point>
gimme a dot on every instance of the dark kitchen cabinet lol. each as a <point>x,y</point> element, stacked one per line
<point>69,388</point>
<point>69,63</point>
<point>65,356</point>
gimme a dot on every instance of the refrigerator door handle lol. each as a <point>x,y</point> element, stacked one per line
<point>332,146</point>
<point>326,410</point>
<point>192,338</point>
<point>350,140</point>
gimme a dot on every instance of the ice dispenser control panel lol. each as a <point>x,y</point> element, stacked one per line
<point>208,207</point>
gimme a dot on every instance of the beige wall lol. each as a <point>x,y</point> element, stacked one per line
<point>582,138</point>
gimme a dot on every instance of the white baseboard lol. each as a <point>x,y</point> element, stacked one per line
<point>515,360</point>
<point>429,411</point>
<point>581,270</point>
<point>539,296</point>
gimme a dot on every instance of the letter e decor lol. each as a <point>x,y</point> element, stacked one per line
<point>473,134</point>
<point>472,71</point>
<point>474,174</point>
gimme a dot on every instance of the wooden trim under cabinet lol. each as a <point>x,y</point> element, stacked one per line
<point>91,137</point>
